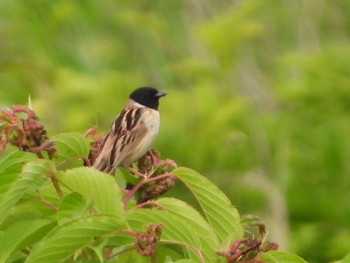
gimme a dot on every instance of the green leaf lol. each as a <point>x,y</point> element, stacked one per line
<point>65,240</point>
<point>28,210</point>
<point>32,171</point>
<point>14,161</point>
<point>70,148</point>
<point>131,257</point>
<point>217,208</point>
<point>95,185</point>
<point>121,239</point>
<point>207,236</point>
<point>98,248</point>
<point>174,229</point>
<point>165,253</point>
<point>10,168</point>
<point>22,234</point>
<point>275,256</point>
<point>72,206</point>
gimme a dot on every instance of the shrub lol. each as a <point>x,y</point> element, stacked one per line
<point>54,208</point>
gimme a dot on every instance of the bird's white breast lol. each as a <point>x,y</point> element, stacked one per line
<point>151,120</point>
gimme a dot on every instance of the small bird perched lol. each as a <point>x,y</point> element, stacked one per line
<point>132,132</point>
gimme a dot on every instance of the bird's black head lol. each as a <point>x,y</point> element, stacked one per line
<point>147,96</point>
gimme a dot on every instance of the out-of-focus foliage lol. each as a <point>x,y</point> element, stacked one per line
<point>259,94</point>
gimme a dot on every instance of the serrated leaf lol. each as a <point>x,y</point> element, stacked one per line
<point>10,168</point>
<point>32,171</point>
<point>22,234</point>
<point>72,206</point>
<point>207,236</point>
<point>217,208</point>
<point>70,148</point>
<point>28,210</point>
<point>275,256</point>
<point>92,184</point>
<point>14,161</point>
<point>175,228</point>
<point>65,240</point>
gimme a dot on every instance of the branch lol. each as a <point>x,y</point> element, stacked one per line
<point>56,184</point>
<point>143,181</point>
<point>48,204</point>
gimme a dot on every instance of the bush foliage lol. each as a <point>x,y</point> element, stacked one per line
<point>55,209</point>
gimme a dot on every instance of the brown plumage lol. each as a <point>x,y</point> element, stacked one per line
<point>133,131</point>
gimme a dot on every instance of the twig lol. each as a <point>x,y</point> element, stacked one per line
<point>48,204</point>
<point>56,184</point>
<point>140,183</point>
<point>135,172</point>
<point>147,203</point>
<point>40,155</point>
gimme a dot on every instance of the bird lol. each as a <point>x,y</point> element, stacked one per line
<point>132,132</point>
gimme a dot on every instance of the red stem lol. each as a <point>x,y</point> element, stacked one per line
<point>140,183</point>
<point>147,203</point>
<point>48,204</point>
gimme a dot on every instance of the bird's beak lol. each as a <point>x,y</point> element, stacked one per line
<point>160,94</point>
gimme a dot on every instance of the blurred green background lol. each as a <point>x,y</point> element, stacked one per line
<point>258,95</point>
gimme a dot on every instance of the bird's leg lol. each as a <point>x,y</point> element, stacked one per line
<point>112,172</point>
<point>154,156</point>
<point>151,155</point>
